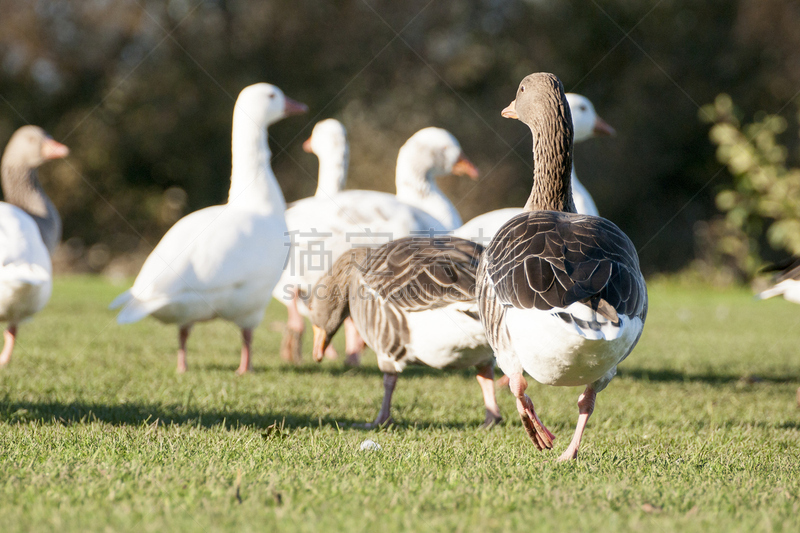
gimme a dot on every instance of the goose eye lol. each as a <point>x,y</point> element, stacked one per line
<point>522,88</point>
<point>272,96</point>
<point>583,108</point>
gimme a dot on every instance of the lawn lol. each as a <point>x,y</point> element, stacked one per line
<point>698,432</point>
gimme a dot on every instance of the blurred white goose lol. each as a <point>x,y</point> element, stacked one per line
<point>324,227</point>
<point>223,261</point>
<point>30,230</point>
<point>587,125</point>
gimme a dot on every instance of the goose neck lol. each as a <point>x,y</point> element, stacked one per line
<point>252,181</point>
<point>21,187</point>
<point>552,165</point>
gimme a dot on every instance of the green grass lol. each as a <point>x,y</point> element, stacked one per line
<point>97,432</point>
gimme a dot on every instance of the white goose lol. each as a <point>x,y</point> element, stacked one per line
<point>30,230</point>
<point>561,295</point>
<point>414,301</point>
<point>587,124</point>
<point>223,261</point>
<point>786,284</point>
<point>324,227</point>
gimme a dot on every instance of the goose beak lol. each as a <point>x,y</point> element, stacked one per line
<point>603,128</point>
<point>464,167</point>
<point>54,150</point>
<point>307,146</point>
<point>511,110</point>
<point>320,343</point>
<point>293,107</point>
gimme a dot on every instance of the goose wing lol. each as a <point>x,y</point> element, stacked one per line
<point>408,275</point>
<point>551,260</point>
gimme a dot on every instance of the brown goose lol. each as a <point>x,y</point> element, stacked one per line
<point>30,230</point>
<point>414,302</point>
<point>561,295</point>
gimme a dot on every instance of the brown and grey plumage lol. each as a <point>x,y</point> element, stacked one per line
<point>413,301</point>
<point>561,295</point>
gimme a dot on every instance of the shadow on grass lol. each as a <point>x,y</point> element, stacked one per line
<point>324,369</point>
<point>139,414</point>
<point>708,377</point>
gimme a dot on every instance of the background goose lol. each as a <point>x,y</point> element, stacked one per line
<point>223,261</point>
<point>30,230</point>
<point>324,227</point>
<point>786,284</point>
<point>586,124</point>
<point>413,301</point>
<point>561,294</point>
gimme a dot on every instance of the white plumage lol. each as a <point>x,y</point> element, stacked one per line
<point>223,261</point>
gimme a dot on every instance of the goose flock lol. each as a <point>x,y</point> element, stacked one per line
<point>551,290</point>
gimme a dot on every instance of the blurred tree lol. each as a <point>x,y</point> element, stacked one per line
<point>764,201</point>
<point>142,91</point>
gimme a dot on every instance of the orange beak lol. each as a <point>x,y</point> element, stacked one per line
<point>320,343</point>
<point>603,128</point>
<point>54,150</point>
<point>464,167</point>
<point>511,110</point>
<point>307,146</point>
<point>293,107</point>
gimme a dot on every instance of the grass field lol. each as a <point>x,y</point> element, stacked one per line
<point>699,432</point>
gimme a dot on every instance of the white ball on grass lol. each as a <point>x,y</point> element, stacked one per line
<point>370,445</point>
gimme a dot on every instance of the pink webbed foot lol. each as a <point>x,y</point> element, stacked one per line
<point>585,408</point>
<point>540,435</point>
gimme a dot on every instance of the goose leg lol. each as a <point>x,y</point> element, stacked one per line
<point>183,336</point>
<point>385,416</point>
<point>585,408</point>
<point>292,343</point>
<point>10,335</point>
<point>486,381</point>
<point>245,364</point>
<point>540,435</point>
<point>502,381</point>
<point>353,342</point>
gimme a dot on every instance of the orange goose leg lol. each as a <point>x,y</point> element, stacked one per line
<point>10,336</point>
<point>353,342</point>
<point>540,435</point>
<point>292,343</point>
<point>486,381</point>
<point>183,336</point>
<point>585,408</point>
<point>245,365</point>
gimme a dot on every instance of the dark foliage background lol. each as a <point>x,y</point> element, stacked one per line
<point>142,92</point>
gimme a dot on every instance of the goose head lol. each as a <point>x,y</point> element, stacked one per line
<point>433,152</point>
<point>265,104</point>
<point>585,120</point>
<point>542,105</point>
<point>328,142</point>
<point>329,301</point>
<point>30,146</point>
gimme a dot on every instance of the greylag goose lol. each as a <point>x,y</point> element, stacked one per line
<point>30,230</point>
<point>223,261</point>
<point>561,294</point>
<point>413,301</point>
<point>324,227</point>
<point>587,125</point>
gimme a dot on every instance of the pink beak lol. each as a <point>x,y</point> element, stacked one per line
<point>603,128</point>
<point>307,146</point>
<point>54,150</point>
<point>511,110</point>
<point>293,107</point>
